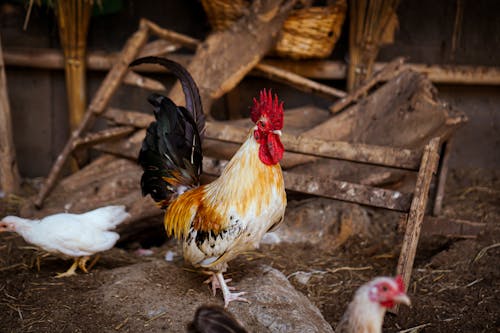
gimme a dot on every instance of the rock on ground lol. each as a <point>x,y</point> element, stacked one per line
<point>159,296</point>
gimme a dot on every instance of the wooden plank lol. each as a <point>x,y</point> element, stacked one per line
<point>330,188</point>
<point>103,136</point>
<point>298,81</point>
<point>451,228</point>
<point>428,167</point>
<point>335,189</point>
<point>357,152</point>
<point>385,73</point>
<point>314,69</point>
<point>134,79</point>
<point>9,173</point>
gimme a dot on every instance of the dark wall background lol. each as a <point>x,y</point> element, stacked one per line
<point>38,97</point>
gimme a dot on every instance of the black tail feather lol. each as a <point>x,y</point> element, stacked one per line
<point>214,319</point>
<point>191,93</point>
<point>171,154</point>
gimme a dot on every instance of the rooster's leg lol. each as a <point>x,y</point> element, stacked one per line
<point>70,271</point>
<point>218,281</point>
<point>215,283</point>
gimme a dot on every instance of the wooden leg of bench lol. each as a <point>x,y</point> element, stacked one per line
<point>428,167</point>
<point>441,177</point>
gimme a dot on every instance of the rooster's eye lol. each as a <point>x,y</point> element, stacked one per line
<point>260,124</point>
<point>384,288</point>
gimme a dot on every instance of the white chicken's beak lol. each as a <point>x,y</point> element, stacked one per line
<point>278,132</point>
<point>402,299</point>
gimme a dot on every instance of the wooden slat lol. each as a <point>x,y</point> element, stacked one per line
<point>134,79</point>
<point>103,136</point>
<point>428,167</point>
<point>335,189</point>
<point>330,188</point>
<point>357,152</point>
<point>313,69</point>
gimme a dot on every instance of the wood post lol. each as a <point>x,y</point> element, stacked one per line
<point>428,167</point>
<point>9,173</point>
<point>441,176</point>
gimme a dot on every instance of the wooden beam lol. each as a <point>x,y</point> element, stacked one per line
<point>428,167</point>
<point>385,73</point>
<point>330,188</point>
<point>313,69</point>
<point>103,136</point>
<point>10,179</point>
<point>298,81</point>
<point>356,152</point>
<point>134,79</point>
<point>451,228</point>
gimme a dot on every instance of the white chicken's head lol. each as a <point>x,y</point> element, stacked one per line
<point>8,223</point>
<point>388,291</point>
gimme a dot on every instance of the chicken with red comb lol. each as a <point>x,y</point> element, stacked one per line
<point>219,220</point>
<point>366,311</point>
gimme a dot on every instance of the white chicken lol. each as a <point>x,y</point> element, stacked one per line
<point>365,313</point>
<point>76,236</point>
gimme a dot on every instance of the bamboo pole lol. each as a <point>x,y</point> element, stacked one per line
<point>98,104</point>
<point>369,21</point>
<point>73,17</point>
<point>9,173</point>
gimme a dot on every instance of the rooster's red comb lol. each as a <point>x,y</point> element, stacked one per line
<point>267,107</point>
<point>400,283</point>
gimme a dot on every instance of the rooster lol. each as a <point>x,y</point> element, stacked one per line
<point>365,313</point>
<point>219,220</point>
<point>76,236</point>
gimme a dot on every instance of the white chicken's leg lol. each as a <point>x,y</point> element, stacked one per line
<point>92,263</point>
<point>82,263</point>
<point>218,281</point>
<point>70,271</point>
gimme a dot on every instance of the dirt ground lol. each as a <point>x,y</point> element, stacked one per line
<point>455,283</point>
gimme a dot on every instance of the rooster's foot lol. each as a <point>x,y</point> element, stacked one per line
<point>218,282</point>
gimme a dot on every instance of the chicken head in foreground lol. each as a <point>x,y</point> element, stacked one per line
<point>76,236</point>
<point>366,311</point>
<point>216,221</point>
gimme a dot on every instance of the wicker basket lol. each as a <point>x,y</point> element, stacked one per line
<point>309,32</point>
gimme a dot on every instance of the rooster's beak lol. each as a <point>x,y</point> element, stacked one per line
<point>278,132</point>
<point>402,299</point>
